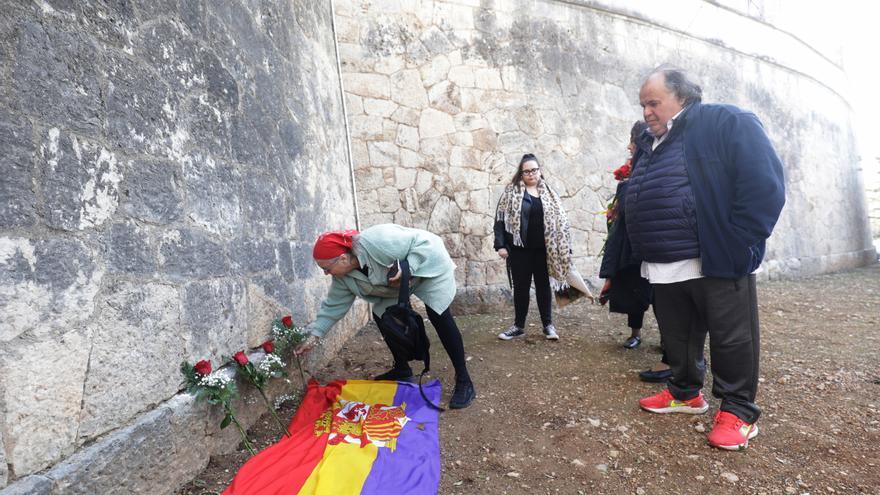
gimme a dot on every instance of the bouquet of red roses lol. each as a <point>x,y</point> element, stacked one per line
<point>623,172</point>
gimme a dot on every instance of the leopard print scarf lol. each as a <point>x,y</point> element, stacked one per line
<point>557,234</point>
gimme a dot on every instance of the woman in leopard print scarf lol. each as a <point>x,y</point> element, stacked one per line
<point>533,235</point>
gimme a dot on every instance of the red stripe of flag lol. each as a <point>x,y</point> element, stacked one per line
<point>284,467</point>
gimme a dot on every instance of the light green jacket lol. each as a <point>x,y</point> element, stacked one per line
<point>378,248</point>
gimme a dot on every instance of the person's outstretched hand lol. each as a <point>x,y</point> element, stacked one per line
<point>395,280</point>
<point>503,253</point>
<point>307,345</point>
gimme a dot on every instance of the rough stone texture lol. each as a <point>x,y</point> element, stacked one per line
<point>561,80</point>
<point>46,286</point>
<point>32,485</point>
<point>80,181</point>
<point>146,319</point>
<point>152,191</point>
<point>130,249</point>
<point>166,166</point>
<point>42,395</point>
<point>872,185</point>
<point>214,314</point>
<point>212,191</point>
<point>17,198</point>
<point>57,74</point>
<point>191,253</point>
<point>4,469</point>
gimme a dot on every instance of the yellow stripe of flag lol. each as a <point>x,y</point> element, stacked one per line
<point>345,467</point>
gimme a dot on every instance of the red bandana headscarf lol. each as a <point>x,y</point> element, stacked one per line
<point>332,244</point>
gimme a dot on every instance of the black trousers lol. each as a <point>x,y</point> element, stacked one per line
<point>635,320</point>
<point>526,263</point>
<point>450,337</point>
<point>726,310</point>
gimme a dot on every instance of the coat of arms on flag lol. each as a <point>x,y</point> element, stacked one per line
<point>352,437</point>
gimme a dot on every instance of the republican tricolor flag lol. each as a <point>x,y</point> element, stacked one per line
<point>352,437</point>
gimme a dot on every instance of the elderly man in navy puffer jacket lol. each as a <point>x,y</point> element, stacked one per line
<point>706,190</point>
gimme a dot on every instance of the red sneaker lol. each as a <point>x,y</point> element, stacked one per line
<point>730,432</point>
<point>664,402</point>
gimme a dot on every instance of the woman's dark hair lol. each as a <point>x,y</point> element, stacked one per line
<point>637,129</point>
<point>678,82</point>
<point>528,157</point>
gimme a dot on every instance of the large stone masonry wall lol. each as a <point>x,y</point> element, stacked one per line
<point>872,167</point>
<point>444,96</point>
<point>166,166</point>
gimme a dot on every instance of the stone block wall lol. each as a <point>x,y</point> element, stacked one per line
<point>872,168</point>
<point>166,166</point>
<point>444,96</point>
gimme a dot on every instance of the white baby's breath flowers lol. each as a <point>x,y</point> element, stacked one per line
<point>215,379</point>
<point>270,362</point>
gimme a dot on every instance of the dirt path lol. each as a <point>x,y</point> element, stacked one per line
<point>562,417</point>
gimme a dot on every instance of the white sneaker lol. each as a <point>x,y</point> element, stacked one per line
<point>550,332</point>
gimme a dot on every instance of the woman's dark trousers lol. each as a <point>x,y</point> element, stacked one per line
<point>450,337</point>
<point>635,320</point>
<point>526,263</point>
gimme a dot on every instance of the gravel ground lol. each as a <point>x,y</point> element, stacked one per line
<point>562,417</point>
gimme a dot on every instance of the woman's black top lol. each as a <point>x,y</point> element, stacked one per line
<point>535,235</point>
<point>531,226</point>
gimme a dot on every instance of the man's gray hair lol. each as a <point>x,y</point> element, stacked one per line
<point>678,82</point>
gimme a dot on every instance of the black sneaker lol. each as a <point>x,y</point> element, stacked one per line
<point>550,332</point>
<point>511,333</point>
<point>396,374</point>
<point>463,394</point>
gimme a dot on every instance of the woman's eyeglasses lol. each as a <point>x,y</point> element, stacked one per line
<point>531,171</point>
<point>327,268</point>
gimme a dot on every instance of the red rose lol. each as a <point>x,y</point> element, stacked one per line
<point>203,367</point>
<point>287,321</point>
<point>240,358</point>
<point>268,346</point>
<point>623,172</point>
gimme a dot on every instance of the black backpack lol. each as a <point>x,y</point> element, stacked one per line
<point>404,330</point>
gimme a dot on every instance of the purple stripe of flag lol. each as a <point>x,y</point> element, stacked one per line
<point>414,466</point>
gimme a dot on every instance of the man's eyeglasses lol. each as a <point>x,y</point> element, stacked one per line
<point>531,171</point>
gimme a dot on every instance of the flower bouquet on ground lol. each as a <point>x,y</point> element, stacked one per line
<point>286,337</point>
<point>270,367</point>
<point>216,388</point>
